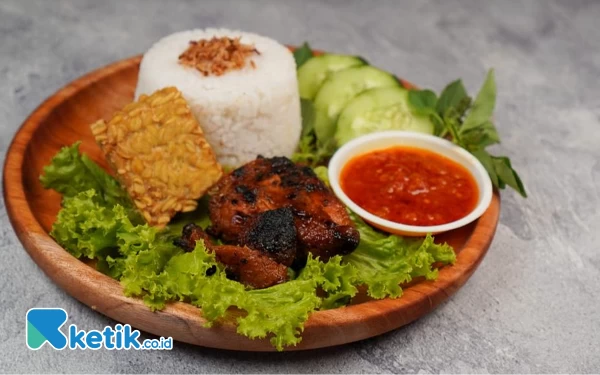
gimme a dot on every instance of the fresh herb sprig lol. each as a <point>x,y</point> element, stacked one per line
<point>469,124</point>
<point>310,150</point>
<point>302,54</point>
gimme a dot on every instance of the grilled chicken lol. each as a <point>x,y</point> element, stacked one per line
<point>250,267</point>
<point>281,209</point>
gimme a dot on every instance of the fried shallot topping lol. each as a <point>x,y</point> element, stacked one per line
<point>217,56</point>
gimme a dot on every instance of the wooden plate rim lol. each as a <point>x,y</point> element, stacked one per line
<point>52,258</point>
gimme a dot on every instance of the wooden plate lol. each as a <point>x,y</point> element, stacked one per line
<point>65,117</point>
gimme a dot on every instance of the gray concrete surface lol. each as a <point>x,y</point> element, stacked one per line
<point>533,305</point>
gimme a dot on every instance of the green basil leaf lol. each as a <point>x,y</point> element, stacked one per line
<point>452,123</point>
<point>422,101</point>
<point>483,106</point>
<point>507,174</point>
<point>482,136</point>
<point>302,54</point>
<point>325,150</point>
<point>486,160</point>
<point>439,126</point>
<point>451,96</point>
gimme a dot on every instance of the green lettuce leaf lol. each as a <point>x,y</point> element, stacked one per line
<point>279,311</point>
<point>86,226</point>
<point>71,173</point>
<point>94,224</point>
<point>165,273</point>
<point>302,54</point>
<point>385,261</point>
<point>336,279</point>
<point>140,268</point>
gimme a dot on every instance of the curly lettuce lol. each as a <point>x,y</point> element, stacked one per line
<point>71,173</point>
<point>279,311</point>
<point>88,227</point>
<point>383,262</point>
<point>97,221</point>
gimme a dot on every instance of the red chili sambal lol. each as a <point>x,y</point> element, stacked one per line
<point>410,186</point>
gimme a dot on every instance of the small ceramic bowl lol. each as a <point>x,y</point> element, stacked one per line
<point>383,140</point>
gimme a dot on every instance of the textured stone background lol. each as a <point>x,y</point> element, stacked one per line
<point>534,303</point>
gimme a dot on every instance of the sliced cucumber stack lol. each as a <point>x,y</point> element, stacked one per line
<point>377,110</point>
<point>339,89</point>
<point>315,71</point>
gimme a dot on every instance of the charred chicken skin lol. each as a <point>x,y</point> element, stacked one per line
<point>250,267</point>
<point>281,209</point>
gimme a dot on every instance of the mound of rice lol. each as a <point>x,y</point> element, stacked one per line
<point>244,113</point>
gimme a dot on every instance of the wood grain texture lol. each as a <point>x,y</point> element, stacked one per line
<point>65,117</point>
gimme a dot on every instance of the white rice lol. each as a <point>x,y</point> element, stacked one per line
<point>244,112</point>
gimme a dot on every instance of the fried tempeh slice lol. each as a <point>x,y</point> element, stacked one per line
<point>159,154</point>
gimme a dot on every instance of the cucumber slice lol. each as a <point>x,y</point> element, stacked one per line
<point>339,89</point>
<point>377,110</point>
<point>315,71</point>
